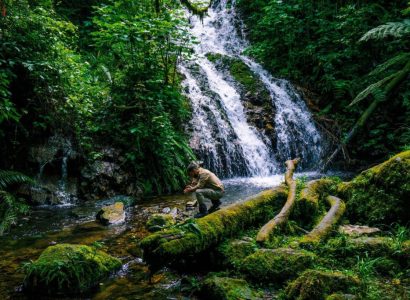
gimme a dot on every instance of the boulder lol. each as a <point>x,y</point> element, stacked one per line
<point>315,284</point>
<point>272,265</point>
<point>225,288</point>
<point>380,195</point>
<point>159,221</point>
<point>68,269</point>
<point>111,214</point>
<point>357,230</point>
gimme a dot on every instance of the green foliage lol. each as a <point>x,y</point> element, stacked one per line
<point>11,207</point>
<point>315,44</point>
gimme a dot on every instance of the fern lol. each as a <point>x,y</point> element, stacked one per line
<point>396,29</point>
<point>11,177</point>
<point>374,89</point>
<point>10,206</point>
<point>401,58</point>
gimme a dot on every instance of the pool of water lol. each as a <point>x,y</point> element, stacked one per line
<point>49,225</point>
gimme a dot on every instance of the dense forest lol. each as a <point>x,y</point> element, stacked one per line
<point>112,99</point>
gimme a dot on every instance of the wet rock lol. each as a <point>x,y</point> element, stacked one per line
<point>357,230</point>
<point>107,177</point>
<point>159,221</point>
<point>226,288</point>
<point>314,284</point>
<point>166,210</point>
<point>112,214</point>
<point>68,269</point>
<point>271,265</point>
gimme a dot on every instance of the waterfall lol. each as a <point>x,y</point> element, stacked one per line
<point>221,134</point>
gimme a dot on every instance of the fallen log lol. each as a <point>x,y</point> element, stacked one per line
<point>322,230</point>
<point>196,236</point>
<point>282,217</point>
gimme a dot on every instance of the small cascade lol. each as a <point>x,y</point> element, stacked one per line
<point>221,134</point>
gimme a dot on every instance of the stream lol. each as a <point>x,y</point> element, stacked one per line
<point>48,225</point>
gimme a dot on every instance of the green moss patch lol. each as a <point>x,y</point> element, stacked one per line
<point>270,265</point>
<point>380,195</point>
<point>68,269</point>
<point>314,284</point>
<point>225,288</point>
<point>159,221</point>
<point>196,236</point>
<point>233,252</point>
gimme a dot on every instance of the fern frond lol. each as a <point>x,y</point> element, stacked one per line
<point>12,177</point>
<point>401,58</point>
<point>374,89</point>
<point>396,29</point>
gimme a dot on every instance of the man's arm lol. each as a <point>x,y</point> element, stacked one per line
<point>201,183</point>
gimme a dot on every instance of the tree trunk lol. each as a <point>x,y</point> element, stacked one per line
<point>282,217</point>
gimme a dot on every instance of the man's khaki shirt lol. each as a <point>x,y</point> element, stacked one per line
<point>207,180</point>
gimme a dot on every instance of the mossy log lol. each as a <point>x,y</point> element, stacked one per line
<point>325,226</point>
<point>282,217</point>
<point>199,235</point>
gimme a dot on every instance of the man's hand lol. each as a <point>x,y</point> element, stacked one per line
<point>187,190</point>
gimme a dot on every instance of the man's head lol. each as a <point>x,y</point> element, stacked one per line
<point>193,169</point>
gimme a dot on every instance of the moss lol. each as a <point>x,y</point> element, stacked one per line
<point>158,221</point>
<point>307,205</point>
<point>338,296</point>
<point>234,251</point>
<point>197,7</point>
<point>225,288</point>
<point>314,284</point>
<point>380,195</point>
<point>197,236</point>
<point>271,265</point>
<point>68,269</point>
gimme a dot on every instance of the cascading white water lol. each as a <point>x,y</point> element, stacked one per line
<point>221,133</point>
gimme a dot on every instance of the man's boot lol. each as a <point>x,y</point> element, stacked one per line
<point>203,211</point>
<point>215,206</point>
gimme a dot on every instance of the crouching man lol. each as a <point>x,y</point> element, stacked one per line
<point>205,184</point>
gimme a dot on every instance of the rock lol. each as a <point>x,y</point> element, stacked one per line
<point>174,212</point>
<point>357,230</point>
<point>166,210</point>
<point>338,296</point>
<point>380,195</point>
<point>68,269</point>
<point>111,214</point>
<point>314,284</point>
<point>225,288</point>
<point>270,265</point>
<point>159,221</point>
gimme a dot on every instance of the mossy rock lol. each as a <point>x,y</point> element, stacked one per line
<point>196,236</point>
<point>68,269</point>
<point>159,221</point>
<point>234,251</point>
<point>380,195</point>
<point>315,284</point>
<point>270,265</point>
<point>226,288</point>
<point>338,296</point>
<point>111,214</point>
<point>197,7</point>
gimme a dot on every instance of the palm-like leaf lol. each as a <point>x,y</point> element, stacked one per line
<point>11,177</point>
<point>396,29</point>
<point>399,59</point>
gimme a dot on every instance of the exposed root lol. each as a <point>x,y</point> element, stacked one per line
<point>322,230</point>
<point>283,215</point>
